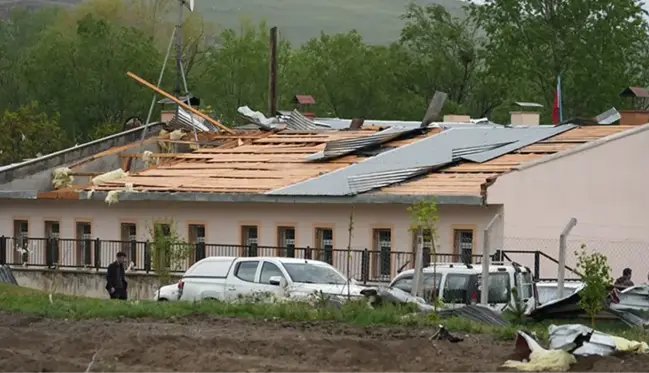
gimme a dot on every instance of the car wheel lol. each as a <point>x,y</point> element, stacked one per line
<point>163,299</point>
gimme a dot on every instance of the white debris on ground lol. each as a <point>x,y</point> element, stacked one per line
<point>566,342</point>
<point>61,178</point>
<point>541,359</point>
<point>109,176</point>
<point>584,341</point>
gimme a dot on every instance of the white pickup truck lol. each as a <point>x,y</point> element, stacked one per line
<point>228,278</point>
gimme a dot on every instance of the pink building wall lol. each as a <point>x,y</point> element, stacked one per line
<point>223,221</point>
<point>605,187</point>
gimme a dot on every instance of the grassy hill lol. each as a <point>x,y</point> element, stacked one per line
<point>299,20</point>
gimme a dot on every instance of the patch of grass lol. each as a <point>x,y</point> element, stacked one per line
<point>18,299</point>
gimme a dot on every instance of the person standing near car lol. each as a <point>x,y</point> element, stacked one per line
<point>625,280</point>
<point>116,278</point>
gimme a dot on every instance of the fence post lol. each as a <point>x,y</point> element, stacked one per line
<point>308,253</point>
<point>97,253</point>
<point>365,266</point>
<point>49,258</point>
<point>200,251</point>
<point>484,293</point>
<point>3,250</point>
<point>147,257</point>
<point>133,252</point>
<point>537,265</point>
<point>418,278</point>
<point>562,255</point>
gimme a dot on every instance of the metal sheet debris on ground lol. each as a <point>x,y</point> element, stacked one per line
<point>476,144</point>
<point>625,307</point>
<point>383,294</point>
<point>7,275</point>
<point>476,313</point>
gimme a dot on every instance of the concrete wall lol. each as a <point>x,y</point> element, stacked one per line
<point>223,223</point>
<point>86,283</point>
<point>36,175</point>
<point>605,187</point>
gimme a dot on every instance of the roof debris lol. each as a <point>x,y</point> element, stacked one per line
<point>261,162</point>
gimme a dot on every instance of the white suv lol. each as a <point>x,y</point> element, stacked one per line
<point>458,283</point>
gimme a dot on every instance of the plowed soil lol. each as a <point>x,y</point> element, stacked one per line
<point>202,343</point>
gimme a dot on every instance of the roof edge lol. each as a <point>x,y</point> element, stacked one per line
<point>263,198</point>
<point>580,148</point>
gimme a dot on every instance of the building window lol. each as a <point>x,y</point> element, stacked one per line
<point>382,253</point>
<point>197,240</point>
<point>21,240</point>
<point>463,244</point>
<point>84,241</point>
<point>196,233</point>
<point>52,234</point>
<point>52,229</point>
<point>324,241</point>
<point>249,240</point>
<point>286,241</point>
<point>128,234</point>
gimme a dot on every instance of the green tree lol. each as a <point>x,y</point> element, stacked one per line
<point>597,46</point>
<point>424,216</point>
<point>86,83</point>
<point>443,51</point>
<point>596,275</point>
<point>236,71</point>
<point>17,33</point>
<point>27,132</point>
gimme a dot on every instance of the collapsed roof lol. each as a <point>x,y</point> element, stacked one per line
<point>375,163</point>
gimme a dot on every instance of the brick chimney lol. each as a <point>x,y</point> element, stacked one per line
<point>638,99</point>
<point>303,104</point>
<point>526,116</point>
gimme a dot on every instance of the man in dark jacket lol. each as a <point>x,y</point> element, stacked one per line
<point>625,280</point>
<point>116,279</point>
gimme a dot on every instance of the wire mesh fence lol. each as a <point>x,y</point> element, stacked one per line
<point>620,254</point>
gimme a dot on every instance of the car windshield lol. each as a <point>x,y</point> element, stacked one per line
<point>314,273</point>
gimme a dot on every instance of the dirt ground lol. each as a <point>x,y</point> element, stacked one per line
<point>202,343</point>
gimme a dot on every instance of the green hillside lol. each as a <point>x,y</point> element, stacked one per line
<point>298,20</point>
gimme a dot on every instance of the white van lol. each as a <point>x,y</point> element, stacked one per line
<point>228,278</point>
<point>459,283</point>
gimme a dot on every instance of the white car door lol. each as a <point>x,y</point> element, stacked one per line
<point>268,270</point>
<point>241,282</point>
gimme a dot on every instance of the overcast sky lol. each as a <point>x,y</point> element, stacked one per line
<point>645,5</point>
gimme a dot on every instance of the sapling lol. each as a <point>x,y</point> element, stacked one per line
<point>424,216</point>
<point>596,275</point>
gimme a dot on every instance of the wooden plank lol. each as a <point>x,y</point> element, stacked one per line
<point>180,103</point>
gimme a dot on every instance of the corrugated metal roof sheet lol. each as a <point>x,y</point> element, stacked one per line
<point>339,148</point>
<point>477,144</point>
<point>297,121</point>
<point>183,118</point>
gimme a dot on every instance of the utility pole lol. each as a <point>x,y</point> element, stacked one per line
<point>272,73</point>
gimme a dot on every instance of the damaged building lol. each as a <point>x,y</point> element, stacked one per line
<point>284,187</point>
